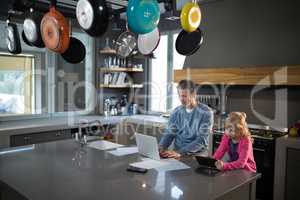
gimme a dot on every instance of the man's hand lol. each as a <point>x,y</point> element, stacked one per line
<point>219,164</point>
<point>169,154</point>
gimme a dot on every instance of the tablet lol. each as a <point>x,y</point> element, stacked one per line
<point>206,162</point>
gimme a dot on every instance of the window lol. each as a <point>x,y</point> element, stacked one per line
<point>158,83</point>
<point>40,82</point>
<point>70,82</point>
<point>163,92</point>
<point>178,62</point>
<point>17,81</point>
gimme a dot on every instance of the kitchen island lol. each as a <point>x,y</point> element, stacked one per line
<point>64,170</point>
<point>9,129</point>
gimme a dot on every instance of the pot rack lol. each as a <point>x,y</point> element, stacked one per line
<point>68,7</point>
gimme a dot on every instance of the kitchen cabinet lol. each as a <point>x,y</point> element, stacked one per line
<point>292,174</point>
<point>287,174</point>
<point>35,138</point>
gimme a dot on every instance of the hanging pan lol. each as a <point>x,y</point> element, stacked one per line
<point>190,16</point>
<point>76,51</point>
<point>187,43</point>
<point>31,28</point>
<point>125,44</point>
<point>55,30</point>
<point>25,39</point>
<point>148,42</point>
<point>13,39</point>
<point>92,16</point>
<point>142,15</point>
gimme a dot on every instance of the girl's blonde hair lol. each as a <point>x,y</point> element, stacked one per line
<point>238,121</point>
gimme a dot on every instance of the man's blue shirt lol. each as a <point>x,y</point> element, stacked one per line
<point>189,130</point>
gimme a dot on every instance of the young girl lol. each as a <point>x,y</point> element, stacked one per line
<point>237,143</point>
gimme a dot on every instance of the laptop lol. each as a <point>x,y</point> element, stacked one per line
<point>147,146</point>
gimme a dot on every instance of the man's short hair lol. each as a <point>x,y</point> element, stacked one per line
<point>187,85</point>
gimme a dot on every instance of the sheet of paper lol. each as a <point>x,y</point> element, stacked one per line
<point>123,151</point>
<point>149,164</point>
<point>173,164</point>
<point>104,145</point>
<point>161,165</point>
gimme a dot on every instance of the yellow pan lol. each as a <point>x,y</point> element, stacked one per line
<point>190,17</point>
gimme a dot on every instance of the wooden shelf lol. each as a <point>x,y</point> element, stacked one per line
<point>258,75</point>
<point>109,52</point>
<point>114,52</point>
<point>121,86</point>
<point>120,69</point>
<point>141,56</point>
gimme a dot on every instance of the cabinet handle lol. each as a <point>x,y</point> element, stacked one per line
<point>258,149</point>
<point>26,139</point>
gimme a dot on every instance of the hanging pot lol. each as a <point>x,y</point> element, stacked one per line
<point>25,39</point>
<point>13,39</point>
<point>76,51</point>
<point>125,44</point>
<point>148,42</point>
<point>92,16</point>
<point>190,16</point>
<point>187,43</point>
<point>32,31</point>
<point>142,15</point>
<point>55,30</point>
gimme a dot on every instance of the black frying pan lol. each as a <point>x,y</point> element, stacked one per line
<point>92,16</point>
<point>75,53</point>
<point>187,43</point>
<point>13,39</point>
<point>25,39</point>
<point>31,27</point>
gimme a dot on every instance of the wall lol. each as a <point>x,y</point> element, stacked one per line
<point>244,32</point>
<point>251,33</point>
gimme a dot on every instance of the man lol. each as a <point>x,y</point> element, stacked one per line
<point>189,125</point>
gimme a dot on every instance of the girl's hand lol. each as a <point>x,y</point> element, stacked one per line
<point>219,164</point>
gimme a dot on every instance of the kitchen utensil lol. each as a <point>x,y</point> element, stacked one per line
<point>143,15</point>
<point>187,43</point>
<point>107,104</point>
<point>76,50</point>
<point>190,16</point>
<point>13,38</point>
<point>92,16</point>
<point>55,30</point>
<point>148,42</point>
<point>31,27</point>
<point>25,39</point>
<point>125,44</point>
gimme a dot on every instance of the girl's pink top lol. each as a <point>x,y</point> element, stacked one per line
<point>244,150</point>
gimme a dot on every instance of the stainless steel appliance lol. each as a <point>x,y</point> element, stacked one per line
<point>264,155</point>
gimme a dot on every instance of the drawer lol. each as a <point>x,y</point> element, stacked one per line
<point>35,138</point>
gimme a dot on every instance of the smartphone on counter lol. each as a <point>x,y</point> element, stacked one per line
<point>136,169</point>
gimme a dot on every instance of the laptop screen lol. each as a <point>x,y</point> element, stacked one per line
<point>147,146</point>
